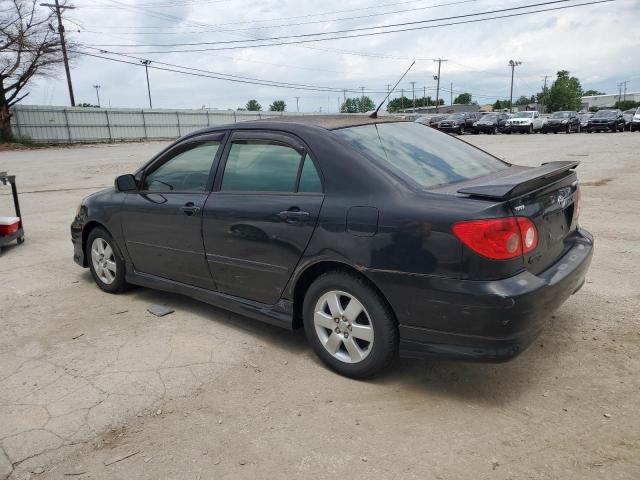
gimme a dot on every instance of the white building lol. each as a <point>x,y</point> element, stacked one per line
<point>601,101</point>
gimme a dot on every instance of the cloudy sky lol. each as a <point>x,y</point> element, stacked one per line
<point>600,44</point>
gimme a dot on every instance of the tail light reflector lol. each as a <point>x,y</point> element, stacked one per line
<point>498,238</point>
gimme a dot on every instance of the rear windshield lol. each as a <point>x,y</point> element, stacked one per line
<point>420,153</point>
<point>605,114</point>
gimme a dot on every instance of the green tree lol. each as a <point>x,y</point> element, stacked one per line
<point>278,106</point>
<point>501,105</point>
<point>30,50</point>
<point>400,103</point>
<point>565,93</point>
<point>463,99</point>
<point>253,106</point>
<point>357,105</point>
<point>626,104</point>
<point>592,93</point>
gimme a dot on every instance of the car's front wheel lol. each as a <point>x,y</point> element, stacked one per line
<point>105,262</point>
<point>349,325</point>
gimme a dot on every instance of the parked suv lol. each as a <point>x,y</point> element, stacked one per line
<point>562,122</point>
<point>603,120</point>
<point>492,123</point>
<point>628,118</point>
<point>524,122</point>
<point>471,120</point>
<point>635,123</point>
<point>454,123</point>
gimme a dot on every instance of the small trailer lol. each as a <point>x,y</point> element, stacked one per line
<point>11,228</point>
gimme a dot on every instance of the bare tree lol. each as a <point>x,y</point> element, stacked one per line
<point>29,47</point>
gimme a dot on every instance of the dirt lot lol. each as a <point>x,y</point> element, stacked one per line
<point>87,379</point>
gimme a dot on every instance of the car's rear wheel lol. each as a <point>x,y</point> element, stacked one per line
<point>105,262</point>
<point>349,325</point>
<point>495,130</point>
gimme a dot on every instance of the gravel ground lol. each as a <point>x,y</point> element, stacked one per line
<point>93,385</point>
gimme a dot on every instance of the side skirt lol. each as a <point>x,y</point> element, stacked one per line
<point>280,314</point>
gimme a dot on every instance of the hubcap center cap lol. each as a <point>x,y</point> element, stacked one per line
<point>343,325</point>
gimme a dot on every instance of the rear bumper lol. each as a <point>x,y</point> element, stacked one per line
<point>489,321</point>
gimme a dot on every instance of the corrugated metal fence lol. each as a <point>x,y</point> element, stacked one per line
<point>47,124</point>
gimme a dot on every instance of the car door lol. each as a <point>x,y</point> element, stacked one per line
<point>260,217</point>
<point>162,222</point>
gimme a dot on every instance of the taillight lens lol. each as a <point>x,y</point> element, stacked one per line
<point>498,238</point>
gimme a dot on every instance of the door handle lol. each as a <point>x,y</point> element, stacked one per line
<point>293,215</point>
<point>190,208</point>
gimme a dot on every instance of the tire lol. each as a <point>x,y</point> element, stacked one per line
<point>568,131</point>
<point>495,130</point>
<point>106,264</point>
<point>330,338</point>
<point>20,240</point>
<point>461,132</point>
<point>530,131</point>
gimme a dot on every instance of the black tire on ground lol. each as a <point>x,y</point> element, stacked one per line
<point>20,240</point>
<point>385,330</point>
<point>530,129</point>
<point>568,129</point>
<point>118,284</point>
<point>461,132</point>
<point>495,130</point>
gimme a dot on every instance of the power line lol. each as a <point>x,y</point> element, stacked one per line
<point>294,42</point>
<point>296,24</point>
<point>334,32</point>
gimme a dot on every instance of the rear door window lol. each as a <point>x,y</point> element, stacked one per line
<point>420,154</point>
<point>261,166</point>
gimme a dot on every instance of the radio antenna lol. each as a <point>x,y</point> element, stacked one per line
<point>375,114</point>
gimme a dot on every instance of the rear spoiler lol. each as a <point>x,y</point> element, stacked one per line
<point>516,181</point>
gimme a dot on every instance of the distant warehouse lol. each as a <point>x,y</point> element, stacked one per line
<point>602,101</point>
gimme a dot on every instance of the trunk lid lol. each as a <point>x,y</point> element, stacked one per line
<point>547,195</point>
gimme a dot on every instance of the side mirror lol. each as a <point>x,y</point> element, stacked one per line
<point>126,183</point>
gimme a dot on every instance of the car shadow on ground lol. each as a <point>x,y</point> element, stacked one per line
<point>477,383</point>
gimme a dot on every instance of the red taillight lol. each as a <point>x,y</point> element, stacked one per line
<point>498,238</point>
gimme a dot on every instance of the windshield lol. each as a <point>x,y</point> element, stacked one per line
<point>605,114</point>
<point>489,118</point>
<point>455,116</point>
<point>560,115</point>
<point>419,153</point>
<point>523,115</point>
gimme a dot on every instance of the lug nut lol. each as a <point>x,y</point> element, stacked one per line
<point>346,334</point>
<point>337,320</point>
<point>337,330</point>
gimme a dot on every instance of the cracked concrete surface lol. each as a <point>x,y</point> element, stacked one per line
<point>81,369</point>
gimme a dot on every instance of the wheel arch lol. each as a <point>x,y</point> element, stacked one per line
<point>315,270</point>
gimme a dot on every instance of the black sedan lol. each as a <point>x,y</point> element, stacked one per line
<point>377,236</point>
<point>562,122</point>
<point>491,123</point>
<point>454,123</point>
<point>606,120</point>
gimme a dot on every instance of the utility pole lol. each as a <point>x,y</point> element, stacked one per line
<point>58,8</point>
<point>97,87</point>
<point>544,93</point>
<point>388,93</point>
<point>402,99</point>
<point>437,77</point>
<point>624,98</point>
<point>451,92</point>
<point>297,104</point>
<point>146,69</point>
<point>413,90</point>
<point>344,95</point>
<point>424,96</point>
<point>362,100</point>
<point>513,64</point>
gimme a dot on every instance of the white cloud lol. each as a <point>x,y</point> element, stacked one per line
<point>600,44</point>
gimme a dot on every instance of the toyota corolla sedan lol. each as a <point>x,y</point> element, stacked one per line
<point>378,237</point>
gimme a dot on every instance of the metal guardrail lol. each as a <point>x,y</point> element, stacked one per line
<point>48,124</point>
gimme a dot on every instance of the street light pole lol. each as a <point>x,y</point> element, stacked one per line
<point>97,87</point>
<point>513,64</point>
<point>146,70</point>
<point>413,92</point>
<point>437,77</point>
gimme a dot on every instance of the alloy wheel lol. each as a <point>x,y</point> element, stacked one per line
<point>343,326</point>
<point>103,260</point>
